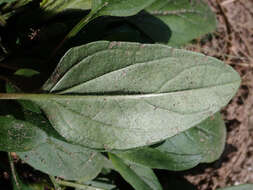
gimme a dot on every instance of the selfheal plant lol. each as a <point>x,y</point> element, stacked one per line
<point>125,106</point>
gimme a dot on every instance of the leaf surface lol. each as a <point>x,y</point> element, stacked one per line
<point>202,143</point>
<point>140,177</point>
<point>123,95</point>
<point>186,19</point>
<point>121,7</point>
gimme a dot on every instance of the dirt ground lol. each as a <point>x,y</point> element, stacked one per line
<point>233,43</point>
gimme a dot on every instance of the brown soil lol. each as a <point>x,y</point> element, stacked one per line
<point>233,43</point>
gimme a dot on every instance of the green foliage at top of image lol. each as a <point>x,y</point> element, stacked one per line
<point>7,1</point>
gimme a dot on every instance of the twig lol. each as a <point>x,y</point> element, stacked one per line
<point>13,171</point>
<point>224,16</point>
<point>53,180</point>
<point>177,12</point>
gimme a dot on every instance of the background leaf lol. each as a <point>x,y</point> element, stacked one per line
<point>114,29</point>
<point>186,19</point>
<point>7,1</point>
<point>56,157</point>
<point>163,90</point>
<point>239,187</point>
<point>151,26</point>
<point>52,7</point>
<point>146,174</point>
<point>26,72</point>
<point>17,135</point>
<point>202,143</point>
<point>140,177</point>
<point>121,7</point>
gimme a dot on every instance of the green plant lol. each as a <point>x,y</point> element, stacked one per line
<point>112,105</point>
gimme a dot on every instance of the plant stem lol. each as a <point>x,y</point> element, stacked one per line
<point>2,21</point>
<point>43,3</point>
<point>13,171</point>
<point>56,185</point>
<point>92,15</point>
<point>17,96</point>
<point>100,183</point>
<point>76,185</point>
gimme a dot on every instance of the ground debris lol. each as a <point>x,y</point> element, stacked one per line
<point>233,43</point>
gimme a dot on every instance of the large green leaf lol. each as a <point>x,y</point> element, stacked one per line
<point>140,177</point>
<point>17,135</point>
<point>123,95</point>
<point>186,19</point>
<point>121,7</point>
<point>203,143</point>
<point>239,187</point>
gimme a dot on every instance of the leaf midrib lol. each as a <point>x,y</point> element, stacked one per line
<point>31,96</point>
